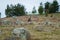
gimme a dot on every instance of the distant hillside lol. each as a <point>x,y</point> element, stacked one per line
<point>41,28</point>
<point>37,18</point>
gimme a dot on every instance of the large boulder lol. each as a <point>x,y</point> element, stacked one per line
<point>22,33</point>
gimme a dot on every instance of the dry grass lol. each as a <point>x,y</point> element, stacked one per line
<point>35,35</point>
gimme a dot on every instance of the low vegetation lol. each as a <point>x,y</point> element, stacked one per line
<point>49,32</point>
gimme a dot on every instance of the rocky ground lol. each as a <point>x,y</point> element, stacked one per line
<point>47,28</point>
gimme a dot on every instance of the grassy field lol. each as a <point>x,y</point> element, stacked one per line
<point>35,35</point>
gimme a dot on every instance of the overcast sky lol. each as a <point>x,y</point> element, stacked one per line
<point>29,4</point>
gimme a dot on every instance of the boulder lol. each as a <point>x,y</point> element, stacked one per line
<point>39,28</point>
<point>22,33</point>
<point>0,32</point>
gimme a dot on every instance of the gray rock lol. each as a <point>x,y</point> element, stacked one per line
<point>14,17</point>
<point>6,22</point>
<point>47,30</point>
<point>39,28</point>
<point>0,32</point>
<point>22,33</point>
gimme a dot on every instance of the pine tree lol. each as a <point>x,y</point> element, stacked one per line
<point>55,6</point>
<point>40,9</point>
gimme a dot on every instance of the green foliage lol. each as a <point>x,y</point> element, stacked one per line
<point>40,9</point>
<point>55,6</point>
<point>0,15</point>
<point>47,5</point>
<point>52,7</point>
<point>34,10</point>
<point>16,10</point>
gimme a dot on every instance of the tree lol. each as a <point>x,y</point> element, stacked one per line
<point>55,6</point>
<point>40,9</point>
<point>34,10</point>
<point>47,4</point>
<point>51,9</point>
<point>7,11</point>
<point>0,15</point>
<point>16,10</point>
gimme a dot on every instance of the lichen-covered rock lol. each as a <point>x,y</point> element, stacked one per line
<point>22,33</point>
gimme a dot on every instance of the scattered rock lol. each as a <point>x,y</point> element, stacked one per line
<point>19,22</point>
<point>47,30</point>
<point>38,28</point>
<point>0,32</point>
<point>6,22</point>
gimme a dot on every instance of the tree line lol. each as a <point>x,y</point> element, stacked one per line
<point>19,10</point>
<point>15,10</point>
<point>49,7</point>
